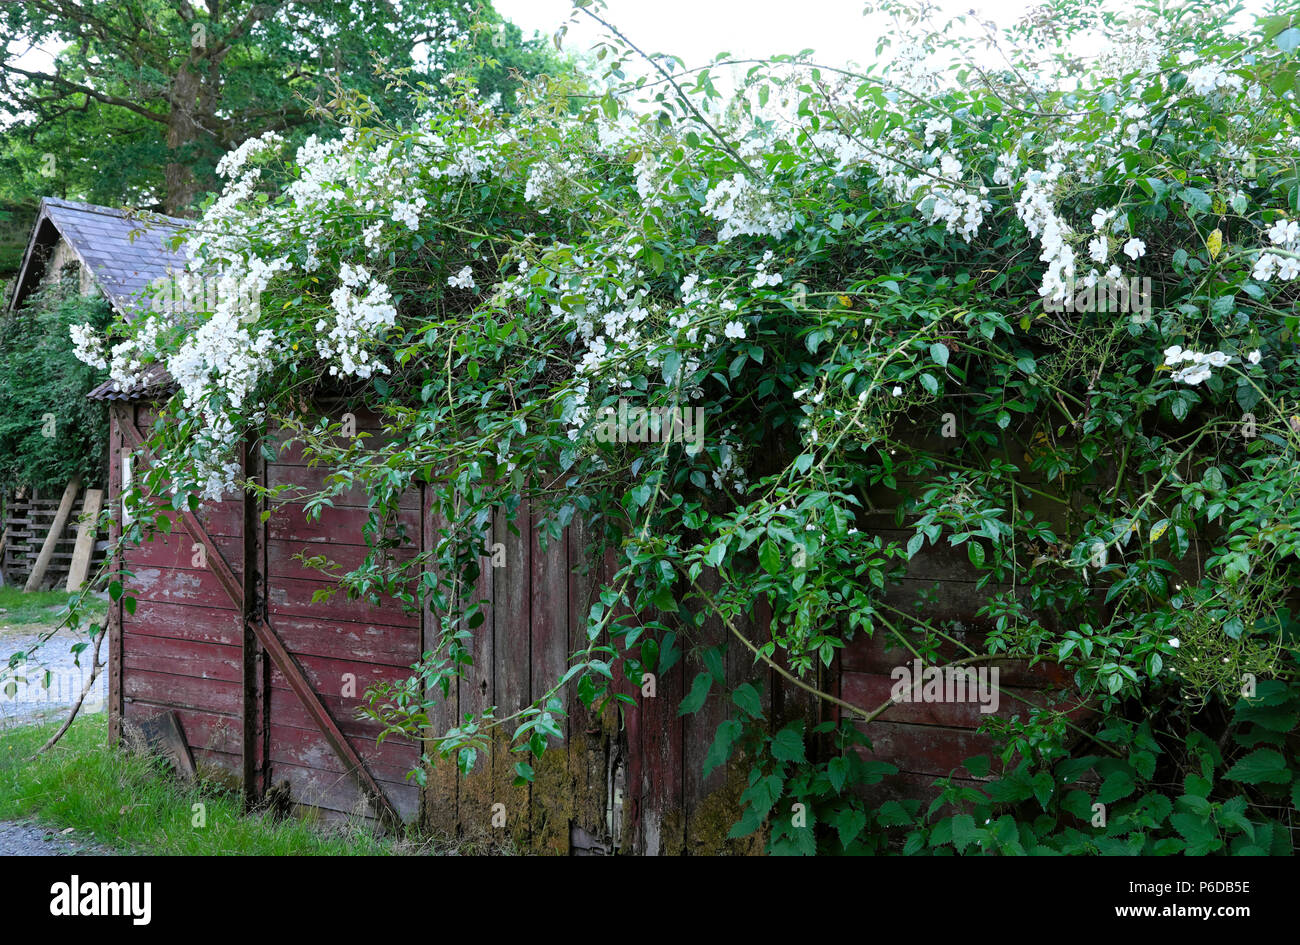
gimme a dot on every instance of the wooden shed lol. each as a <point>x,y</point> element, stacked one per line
<point>233,631</point>
<point>230,633</point>
<point>109,253</point>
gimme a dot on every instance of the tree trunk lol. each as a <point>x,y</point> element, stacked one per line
<point>182,186</point>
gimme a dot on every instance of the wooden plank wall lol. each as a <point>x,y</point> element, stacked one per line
<point>343,646</point>
<point>639,766</point>
<point>184,646</point>
<point>630,778</point>
<point>181,649</point>
<point>929,740</point>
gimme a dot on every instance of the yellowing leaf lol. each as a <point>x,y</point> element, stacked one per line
<point>1159,528</point>
<point>1214,243</point>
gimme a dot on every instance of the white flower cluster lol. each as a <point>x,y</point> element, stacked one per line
<point>408,212</point>
<point>959,210</point>
<point>549,181</point>
<point>88,346</point>
<point>938,191</point>
<point>1285,235</point>
<point>729,474</point>
<point>463,279</point>
<point>761,275</point>
<point>1213,77</point>
<point>745,209</point>
<point>1037,211</point>
<point>359,319</point>
<point>217,369</point>
<point>935,127</point>
<point>233,162</point>
<point>1199,365</point>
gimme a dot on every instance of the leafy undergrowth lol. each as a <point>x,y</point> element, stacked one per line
<point>130,804</point>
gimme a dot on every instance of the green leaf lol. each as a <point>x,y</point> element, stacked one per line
<point>939,354</point>
<point>672,362</point>
<point>848,824</point>
<point>747,697</point>
<point>893,814</point>
<point>929,383</point>
<point>964,831</point>
<point>1264,765</point>
<point>769,556</point>
<point>723,741</point>
<point>1117,786</point>
<point>1201,836</point>
<point>1196,199</point>
<point>975,552</point>
<point>1043,786</point>
<point>837,772</point>
<point>787,744</point>
<point>694,700</point>
<point>713,663</point>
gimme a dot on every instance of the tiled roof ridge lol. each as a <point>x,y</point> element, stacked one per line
<point>147,217</point>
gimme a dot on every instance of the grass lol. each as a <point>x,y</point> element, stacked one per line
<point>18,608</point>
<point>130,804</point>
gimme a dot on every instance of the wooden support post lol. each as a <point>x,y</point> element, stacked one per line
<point>256,709</point>
<point>117,415</point>
<point>55,533</point>
<point>87,531</point>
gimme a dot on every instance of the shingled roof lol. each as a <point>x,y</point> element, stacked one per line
<point>122,252</point>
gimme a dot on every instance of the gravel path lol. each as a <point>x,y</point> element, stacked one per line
<point>32,700</point>
<point>24,838</point>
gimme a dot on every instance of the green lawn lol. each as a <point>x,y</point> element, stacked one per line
<point>18,608</point>
<point>130,804</point>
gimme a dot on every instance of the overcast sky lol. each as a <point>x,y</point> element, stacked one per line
<point>696,30</point>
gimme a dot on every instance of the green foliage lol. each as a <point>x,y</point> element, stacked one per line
<point>49,431</point>
<point>1165,787</point>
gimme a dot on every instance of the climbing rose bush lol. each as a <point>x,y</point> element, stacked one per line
<point>904,288</point>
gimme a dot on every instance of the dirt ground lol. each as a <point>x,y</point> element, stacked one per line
<point>24,838</point>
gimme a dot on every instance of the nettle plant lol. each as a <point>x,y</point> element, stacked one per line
<point>898,282</point>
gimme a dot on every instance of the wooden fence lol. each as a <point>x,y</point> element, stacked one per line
<point>27,520</point>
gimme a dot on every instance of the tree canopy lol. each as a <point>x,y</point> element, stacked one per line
<point>144,96</point>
